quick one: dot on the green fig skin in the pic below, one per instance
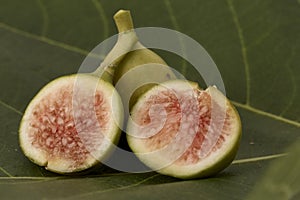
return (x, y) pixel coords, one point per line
(138, 58)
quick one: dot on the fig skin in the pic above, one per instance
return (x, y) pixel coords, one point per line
(142, 57)
(211, 165)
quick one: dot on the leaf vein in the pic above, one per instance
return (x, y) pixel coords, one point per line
(33, 178)
(11, 108)
(5, 172)
(177, 27)
(44, 39)
(294, 83)
(243, 48)
(102, 16)
(118, 188)
(45, 17)
(270, 115)
(260, 158)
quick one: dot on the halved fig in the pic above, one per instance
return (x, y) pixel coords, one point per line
(180, 130)
(71, 123)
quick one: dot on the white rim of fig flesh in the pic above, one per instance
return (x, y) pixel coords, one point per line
(66, 132)
(165, 136)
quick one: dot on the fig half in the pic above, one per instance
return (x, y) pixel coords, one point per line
(69, 127)
(182, 131)
(73, 122)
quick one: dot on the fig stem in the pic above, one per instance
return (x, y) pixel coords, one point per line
(126, 40)
(123, 20)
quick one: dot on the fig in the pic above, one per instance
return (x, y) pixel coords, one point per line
(138, 71)
(68, 129)
(71, 124)
(180, 130)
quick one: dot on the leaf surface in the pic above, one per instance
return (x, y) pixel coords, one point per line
(255, 45)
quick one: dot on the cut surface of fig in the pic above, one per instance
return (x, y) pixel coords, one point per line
(71, 123)
(182, 131)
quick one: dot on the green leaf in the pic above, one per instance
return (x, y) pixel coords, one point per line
(254, 43)
(282, 179)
